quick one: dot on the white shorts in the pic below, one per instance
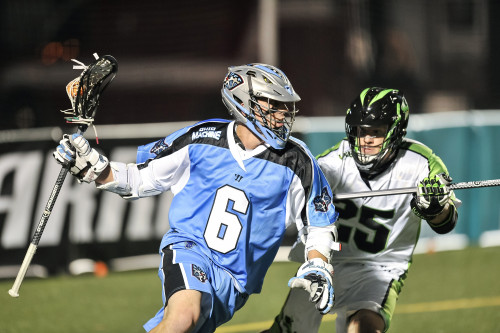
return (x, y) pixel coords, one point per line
(365, 286)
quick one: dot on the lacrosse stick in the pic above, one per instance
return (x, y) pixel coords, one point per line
(406, 190)
(84, 93)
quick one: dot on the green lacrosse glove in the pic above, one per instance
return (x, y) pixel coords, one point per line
(431, 197)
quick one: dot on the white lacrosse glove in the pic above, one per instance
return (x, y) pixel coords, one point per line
(85, 162)
(432, 196)
(315, 277)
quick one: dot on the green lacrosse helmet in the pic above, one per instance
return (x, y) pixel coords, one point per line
(377, 107)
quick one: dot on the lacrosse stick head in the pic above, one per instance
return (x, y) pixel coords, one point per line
(84, 91)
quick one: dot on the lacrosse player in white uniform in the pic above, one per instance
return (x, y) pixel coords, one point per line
(237, 185)
(378, 234)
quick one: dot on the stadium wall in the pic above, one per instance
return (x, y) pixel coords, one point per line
(87, 223)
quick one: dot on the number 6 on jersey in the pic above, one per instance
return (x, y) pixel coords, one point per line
(224, 227)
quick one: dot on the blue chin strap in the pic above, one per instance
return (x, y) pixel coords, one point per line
(269, 137)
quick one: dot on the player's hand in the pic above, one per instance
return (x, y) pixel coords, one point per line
(432, 196)
(315, 277)
(65, 153)
(85, 162)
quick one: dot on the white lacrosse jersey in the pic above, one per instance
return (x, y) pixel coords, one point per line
(233, 203)
(379, 229)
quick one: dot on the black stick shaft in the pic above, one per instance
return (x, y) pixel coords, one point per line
(49, 206)
(30, 253)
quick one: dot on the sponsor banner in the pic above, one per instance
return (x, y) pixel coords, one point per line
(85, 222)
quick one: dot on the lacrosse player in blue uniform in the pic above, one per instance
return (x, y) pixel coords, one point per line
(378, 234)
(237, 186)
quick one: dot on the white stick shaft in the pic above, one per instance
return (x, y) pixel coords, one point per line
(14, 291)
(406, 190)
(377, 193)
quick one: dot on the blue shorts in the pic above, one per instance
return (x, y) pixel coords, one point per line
(184, 266)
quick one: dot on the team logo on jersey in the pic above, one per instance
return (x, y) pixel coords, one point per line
(206, 132)
(346, 154)
(189, 244)
(321, 202)
(198, 273)
(159, 147)
(232, 80)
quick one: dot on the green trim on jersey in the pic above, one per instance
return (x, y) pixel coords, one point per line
(436, 165)
(329, 150)
(389, 304)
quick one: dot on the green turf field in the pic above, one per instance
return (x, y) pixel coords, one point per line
(457, 291)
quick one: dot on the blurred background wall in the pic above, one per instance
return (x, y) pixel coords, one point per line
(173, 56)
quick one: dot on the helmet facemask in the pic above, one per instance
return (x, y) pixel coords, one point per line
(278, 117)
(371, 146)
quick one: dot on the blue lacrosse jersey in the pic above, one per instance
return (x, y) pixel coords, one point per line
(234, 204)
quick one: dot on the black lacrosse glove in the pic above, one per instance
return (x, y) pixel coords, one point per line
(431, 197)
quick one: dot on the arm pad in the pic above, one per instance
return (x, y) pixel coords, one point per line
(128, 182)
(322, 239)
(121, 184)
(448, 224)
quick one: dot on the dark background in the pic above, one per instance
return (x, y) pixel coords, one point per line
(173, 55)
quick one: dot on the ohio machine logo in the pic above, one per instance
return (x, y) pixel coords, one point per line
(159, 147)
(198, 273)
(232, 80)
(206, 132)
(321, 202)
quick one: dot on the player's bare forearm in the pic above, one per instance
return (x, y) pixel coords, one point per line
(316, 254)
(105, 177)
(442, 216)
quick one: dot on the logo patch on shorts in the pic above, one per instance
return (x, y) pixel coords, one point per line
(198, 273)
(321, 202)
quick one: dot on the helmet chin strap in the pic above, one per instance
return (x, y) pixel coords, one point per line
(366, 158)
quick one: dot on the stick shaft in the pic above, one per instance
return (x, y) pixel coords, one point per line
(49, 206)
(407, 190)
(14, 291)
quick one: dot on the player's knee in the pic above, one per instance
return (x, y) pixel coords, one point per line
(175, 321)
(366, 321)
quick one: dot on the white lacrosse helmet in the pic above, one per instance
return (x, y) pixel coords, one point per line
(245, 85)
